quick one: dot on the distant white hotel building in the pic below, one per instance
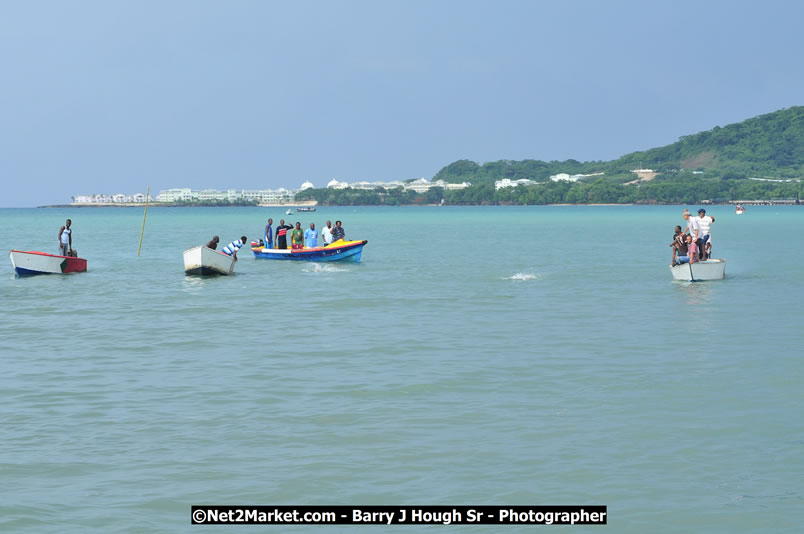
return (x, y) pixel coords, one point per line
(564, 177)
(119, 198)
(261, 196)
(507, 182)
(265, 196)
(560, 177)
(420, 186)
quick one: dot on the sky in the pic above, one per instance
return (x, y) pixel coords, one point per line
(114, 96)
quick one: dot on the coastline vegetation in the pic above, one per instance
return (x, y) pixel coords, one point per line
(736, 162)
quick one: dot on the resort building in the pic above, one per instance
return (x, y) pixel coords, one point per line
(260, 196)
(564, 177)
(374, 185)
(335, 184)
(507, 182)
(175, 195)
(452, 187)
(109, 199)
(420, 185)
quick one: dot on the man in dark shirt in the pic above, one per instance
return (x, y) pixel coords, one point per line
(679, 245)
(338, 232)
(282, 234)
(213, 244)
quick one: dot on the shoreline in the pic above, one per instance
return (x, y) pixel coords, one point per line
(301, 205)
(174, 205)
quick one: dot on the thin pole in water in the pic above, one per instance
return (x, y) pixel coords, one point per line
(147, 195)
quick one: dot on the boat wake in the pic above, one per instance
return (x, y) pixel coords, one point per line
(524, 276)
(323, 268)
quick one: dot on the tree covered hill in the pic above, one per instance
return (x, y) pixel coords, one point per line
(770, 145)
(758, 159)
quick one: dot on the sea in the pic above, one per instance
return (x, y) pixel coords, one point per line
(536, 355)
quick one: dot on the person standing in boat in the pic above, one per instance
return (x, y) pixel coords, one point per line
(694, 229)
(268, 242)
(297, 237)
(213, 243)
(703, 222)
(338, 232)
(232, 248)
(326, 233)
(66, 239)
(282, 234)
(311, 237)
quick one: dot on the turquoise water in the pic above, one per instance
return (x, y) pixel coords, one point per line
(500, 355)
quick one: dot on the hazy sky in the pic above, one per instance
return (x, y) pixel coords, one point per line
(111, 96)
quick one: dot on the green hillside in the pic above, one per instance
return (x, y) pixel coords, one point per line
(733, 162)
(770, 145)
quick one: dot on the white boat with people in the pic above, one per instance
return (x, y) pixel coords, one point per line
(739, 210)
(203, 261)
(692, 250)
(700, 271)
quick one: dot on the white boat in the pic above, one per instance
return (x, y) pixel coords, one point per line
(289, 212)
(700, 270)
(204, 261)
(739, 210)
(31, 262)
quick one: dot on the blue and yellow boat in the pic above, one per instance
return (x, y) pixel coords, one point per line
(340, 250)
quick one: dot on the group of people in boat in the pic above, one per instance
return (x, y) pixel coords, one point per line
(299, 239)
(695, 242)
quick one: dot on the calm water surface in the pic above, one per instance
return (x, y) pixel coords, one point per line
(514, 355)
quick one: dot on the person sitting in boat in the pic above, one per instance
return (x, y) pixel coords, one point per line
(66, 239)
(213, 244)
(297, 237)
(232, 248)
(682, 255)
(338, 232)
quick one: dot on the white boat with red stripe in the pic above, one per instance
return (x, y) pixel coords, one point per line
(31, 262)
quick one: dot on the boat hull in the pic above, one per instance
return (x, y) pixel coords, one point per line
(27, 263)
(348, 251)
(700, 271)
(203, 261)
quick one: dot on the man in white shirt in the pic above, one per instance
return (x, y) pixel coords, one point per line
(326, 233)
(694, 229)
(703, 222)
